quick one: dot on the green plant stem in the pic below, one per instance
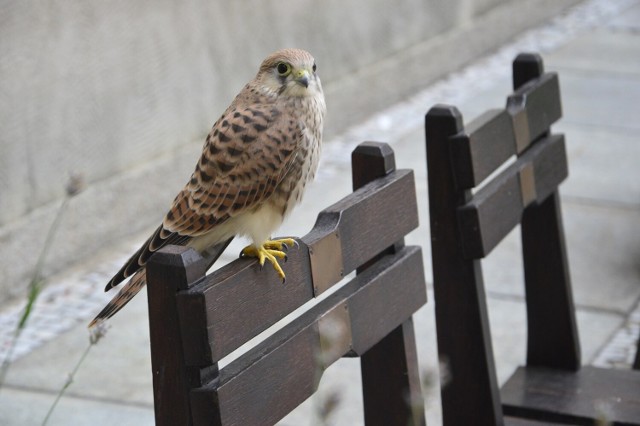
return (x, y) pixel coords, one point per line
(35, 285)
(67, 383)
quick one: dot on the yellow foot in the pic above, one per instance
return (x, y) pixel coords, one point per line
(271, 250)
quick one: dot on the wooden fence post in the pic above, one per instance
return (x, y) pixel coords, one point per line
(460, 300)
(390, 375)
(552, 338)
(171, 269)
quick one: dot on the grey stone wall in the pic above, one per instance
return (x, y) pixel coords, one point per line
(123, 92)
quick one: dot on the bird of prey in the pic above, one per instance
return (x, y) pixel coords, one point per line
(254, 167)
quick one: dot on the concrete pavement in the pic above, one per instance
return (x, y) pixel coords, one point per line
(595, 49)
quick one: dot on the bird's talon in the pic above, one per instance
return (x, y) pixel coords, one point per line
(272, 251)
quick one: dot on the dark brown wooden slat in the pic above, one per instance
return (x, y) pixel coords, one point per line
(488, 141)
(495, 136)
(365, 234)
(534, 107)
(550, 167)
(490, 215)
(273, 378)
(241, 291)
(267, 390)
(573, 397)
(497, 208)
(382, 307)
(228, 307)
(393, 200)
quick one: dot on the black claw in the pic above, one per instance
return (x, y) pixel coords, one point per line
(284, 280)
(285, 258)
(285, 247)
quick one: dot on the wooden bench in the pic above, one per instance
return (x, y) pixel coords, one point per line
(197, 319)
(473, 206)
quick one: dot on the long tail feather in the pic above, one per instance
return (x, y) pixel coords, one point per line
(139, 280)
(123, 297)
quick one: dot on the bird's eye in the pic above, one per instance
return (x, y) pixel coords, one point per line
(284, 69)
(314, 67)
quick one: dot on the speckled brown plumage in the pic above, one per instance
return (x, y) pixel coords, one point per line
(255, 164)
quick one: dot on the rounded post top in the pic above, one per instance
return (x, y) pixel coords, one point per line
(174, 255)
(526, 66)
(374, 149)
(186, 265)
(442, 116)
(371, 160)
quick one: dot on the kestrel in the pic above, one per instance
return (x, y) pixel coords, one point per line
(254, 167)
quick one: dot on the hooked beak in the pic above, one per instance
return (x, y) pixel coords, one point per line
(302, 77)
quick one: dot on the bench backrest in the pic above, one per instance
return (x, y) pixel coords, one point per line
(196, 320)
(501, 170)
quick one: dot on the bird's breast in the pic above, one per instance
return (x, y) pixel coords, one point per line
(310, 111)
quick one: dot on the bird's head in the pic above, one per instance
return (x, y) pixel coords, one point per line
(290, 72)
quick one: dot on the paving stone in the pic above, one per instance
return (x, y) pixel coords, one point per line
(599, 51)
(508, 333)
(629, 20)
(603, 249)
(602, 164)
(118, 367)
(22, 407)
(600, 100)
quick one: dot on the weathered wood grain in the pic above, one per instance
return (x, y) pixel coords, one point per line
(498, 206)
(499, 134)
(273, 378)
